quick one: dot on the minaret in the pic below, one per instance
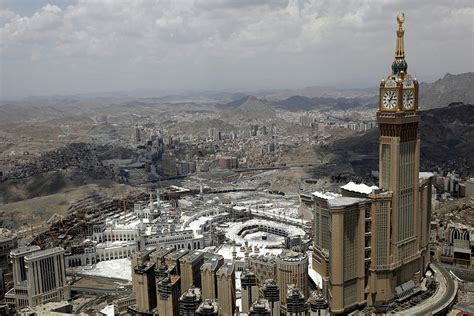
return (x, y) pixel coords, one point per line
(234, 251)
(151, 202)
(157, 198)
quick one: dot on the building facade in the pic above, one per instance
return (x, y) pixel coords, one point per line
(226, 289)
(369, 242)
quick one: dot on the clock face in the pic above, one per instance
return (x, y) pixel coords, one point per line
(408, 99)
(389, 99)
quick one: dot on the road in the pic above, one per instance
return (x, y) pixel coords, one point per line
(443, 298)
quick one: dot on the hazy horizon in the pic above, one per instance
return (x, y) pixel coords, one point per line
(93, 47)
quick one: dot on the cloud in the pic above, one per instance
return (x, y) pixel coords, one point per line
(201, 42)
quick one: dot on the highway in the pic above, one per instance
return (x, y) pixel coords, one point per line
(444, 297)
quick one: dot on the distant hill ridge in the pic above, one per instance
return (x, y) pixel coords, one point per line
(449, 89)
(446, 141)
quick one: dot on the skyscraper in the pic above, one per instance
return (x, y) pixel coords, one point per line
(226, 289)
(249, 289)
(143, 279)
(260, 308)
(398, 255)
(292, 269)
(189, 302)
(208, 308)
(190, 266)
(271, 293)
(296, 302)
(168, 293)
(209, 277)
(372, 242)
(39, 276)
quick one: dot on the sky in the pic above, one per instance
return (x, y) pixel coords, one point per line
(89, 46)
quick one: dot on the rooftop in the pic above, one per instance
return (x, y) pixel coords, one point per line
(44, 253)
(359, 187)
(326, 195)
(212, 263)
(24, 250)
(344, 201)
(426, 175)
(190, 257)
(226, 269)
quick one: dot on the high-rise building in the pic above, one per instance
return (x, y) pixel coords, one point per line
(372, 242)
(347, 244)
(260, 307)
(189, 302)
(296, 302)
(208, 308)
(39, 277)
(8, 242)
(271, 292)
(168, 293)
(17, 297)
(318, 305)
(226, 289)
(168, 163)
(143, 280)
(46, 276)
(190, 266)
(249, 290)
(399, 252)
(172, 260)
(292, 269)
(209, 277)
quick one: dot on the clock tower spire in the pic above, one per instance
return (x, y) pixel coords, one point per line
(400, 64)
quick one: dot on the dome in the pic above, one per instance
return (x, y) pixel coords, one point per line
(399, 65)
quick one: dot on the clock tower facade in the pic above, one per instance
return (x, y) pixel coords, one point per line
(399, 255)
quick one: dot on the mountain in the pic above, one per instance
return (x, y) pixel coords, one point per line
(300, 103)
(235, 103)
(449, 89)
(446, 142)
(317, 92)
(252, 109)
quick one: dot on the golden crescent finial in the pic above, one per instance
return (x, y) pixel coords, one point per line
(401, 18)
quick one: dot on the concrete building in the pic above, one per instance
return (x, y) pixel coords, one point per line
(371, 244)
(296, 302)
(39, 277)
(249, 287)
(292, 269)
(347, 244)
(17, 297)
(209, 277)
(168, 163)
(46, 276)
(226, 289)
(264, 267)
(260, 307)
(208, 308)
(318, 305)
(271, 292)
(189, 302)
(172, 260)
(8, 242)
(168, 293)
(143, 280)
(190, 266)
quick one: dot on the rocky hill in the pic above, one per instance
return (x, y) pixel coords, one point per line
(301, 103)
(446, 142)
(450, 88)
(250, 110)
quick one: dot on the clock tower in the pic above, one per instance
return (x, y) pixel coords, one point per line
(398, 117)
